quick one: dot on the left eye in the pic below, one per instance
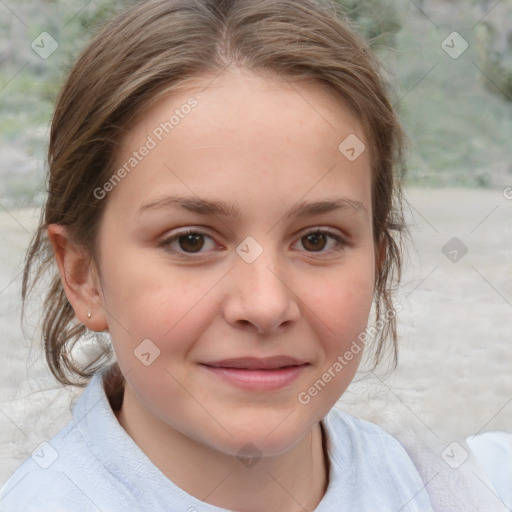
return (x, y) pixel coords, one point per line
(319, 240)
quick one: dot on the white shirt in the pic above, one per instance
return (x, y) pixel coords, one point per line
(494, 453)
(92, 464)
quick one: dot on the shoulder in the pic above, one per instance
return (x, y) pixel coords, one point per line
(63, 473)
(495, 444)
(359, 435)
(364, 456)
(493, 451)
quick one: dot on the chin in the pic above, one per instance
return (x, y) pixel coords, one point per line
(260, 438)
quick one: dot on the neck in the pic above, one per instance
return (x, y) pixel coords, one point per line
(295, 479)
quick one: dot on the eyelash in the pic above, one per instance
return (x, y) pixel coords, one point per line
(166, 243)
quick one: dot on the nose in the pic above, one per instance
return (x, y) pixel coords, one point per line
(261, 297)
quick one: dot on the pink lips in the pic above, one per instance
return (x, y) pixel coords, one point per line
(258, 374)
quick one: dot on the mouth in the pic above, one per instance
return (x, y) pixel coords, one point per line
(255, 363)
(258, 374)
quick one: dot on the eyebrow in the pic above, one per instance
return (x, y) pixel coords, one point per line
(229, 209)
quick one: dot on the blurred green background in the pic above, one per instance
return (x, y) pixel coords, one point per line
(457, 111)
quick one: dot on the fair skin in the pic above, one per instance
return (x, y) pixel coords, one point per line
(262, 145)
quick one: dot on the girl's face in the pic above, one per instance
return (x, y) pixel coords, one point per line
(239, 231)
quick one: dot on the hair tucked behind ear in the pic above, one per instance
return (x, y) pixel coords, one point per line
(162, 46)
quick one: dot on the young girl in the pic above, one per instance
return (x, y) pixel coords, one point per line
(224, 202)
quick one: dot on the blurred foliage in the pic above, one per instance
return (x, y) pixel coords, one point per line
(494, 43)
(377, 20)
(29, 84)
(71, 23)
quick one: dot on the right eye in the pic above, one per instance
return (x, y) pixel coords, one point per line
(187, 241)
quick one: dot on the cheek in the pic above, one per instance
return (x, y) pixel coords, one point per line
(342, 308)
(340, 311)
(139, 288)
(344, 302)
(168, 308)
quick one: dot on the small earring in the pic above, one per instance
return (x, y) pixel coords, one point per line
(89, 315)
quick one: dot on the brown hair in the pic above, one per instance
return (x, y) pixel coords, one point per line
(160, 46)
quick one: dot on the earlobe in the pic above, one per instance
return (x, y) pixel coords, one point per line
(79, 279)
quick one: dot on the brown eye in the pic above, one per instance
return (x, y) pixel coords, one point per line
(322, 241)
(314, 241)
(192, 242)
(188, 242)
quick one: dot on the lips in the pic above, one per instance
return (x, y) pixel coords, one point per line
(256, 374)
(255, 363)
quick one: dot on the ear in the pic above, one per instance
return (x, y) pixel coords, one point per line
(79, 278)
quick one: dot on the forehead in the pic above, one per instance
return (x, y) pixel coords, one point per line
(244, 130)
(242, 95)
